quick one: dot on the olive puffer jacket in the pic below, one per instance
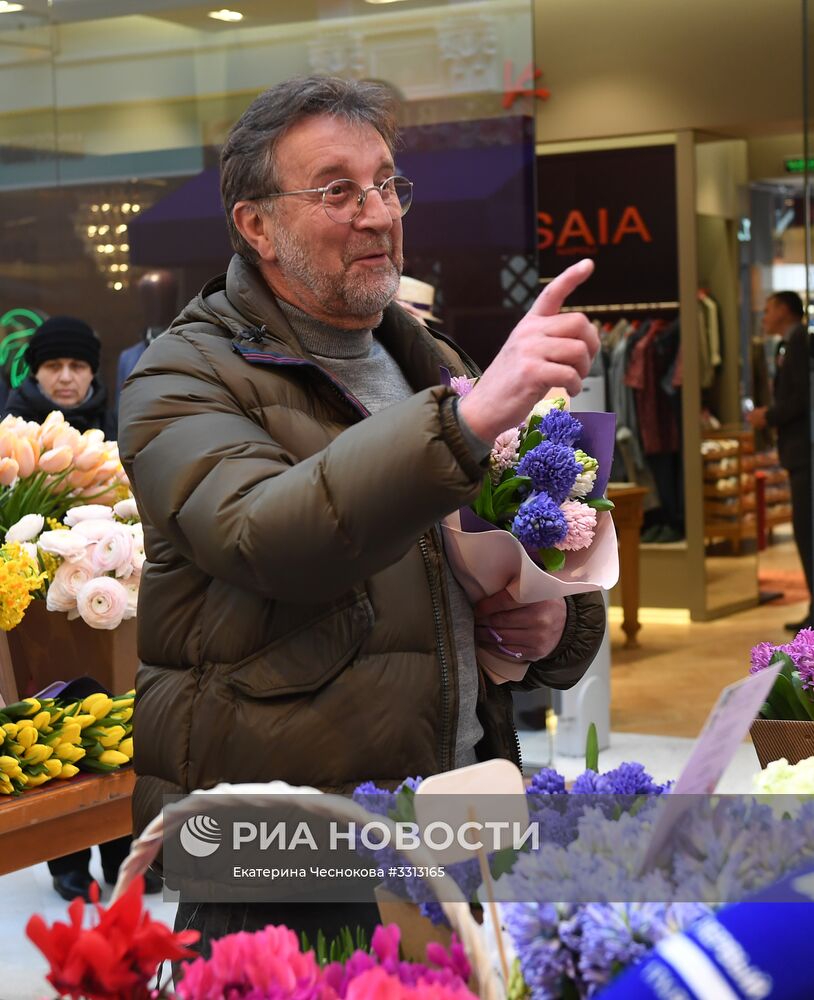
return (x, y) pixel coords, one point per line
(293, 615)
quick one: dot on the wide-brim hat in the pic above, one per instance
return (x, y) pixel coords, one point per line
(419, 294)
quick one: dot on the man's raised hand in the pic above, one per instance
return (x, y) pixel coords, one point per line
(546, 348)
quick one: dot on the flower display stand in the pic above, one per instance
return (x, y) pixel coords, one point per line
(47, 647)
(64, 816)
(776, 738)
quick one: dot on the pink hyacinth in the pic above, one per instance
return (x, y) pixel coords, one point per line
(461, 384)
(267, 964)
(761, 656)
(581, 521)
(505, 453)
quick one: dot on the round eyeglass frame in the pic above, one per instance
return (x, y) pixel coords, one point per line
(361, 197)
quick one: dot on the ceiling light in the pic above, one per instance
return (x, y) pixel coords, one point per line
(224, 14)
(9, 8)
(382, 1)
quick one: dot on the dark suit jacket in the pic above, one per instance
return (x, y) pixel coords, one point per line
(790, 413)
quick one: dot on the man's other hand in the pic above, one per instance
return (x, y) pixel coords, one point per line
(757, 417)
(532, 630)
(546, 348)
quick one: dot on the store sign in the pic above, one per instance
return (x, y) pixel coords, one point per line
(799, 165)
(16, 328)
(617, 206)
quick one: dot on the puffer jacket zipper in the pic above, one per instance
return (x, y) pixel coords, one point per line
(445, 749)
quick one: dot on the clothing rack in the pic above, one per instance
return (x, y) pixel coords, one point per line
(622, 307)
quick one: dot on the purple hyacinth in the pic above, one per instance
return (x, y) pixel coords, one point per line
(761, 656)
(552, 468)
(539, 523)
(801, 650)
(627, 779)
(559, 426)
(546, 781)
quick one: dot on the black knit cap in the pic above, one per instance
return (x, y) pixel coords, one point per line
(63, 337)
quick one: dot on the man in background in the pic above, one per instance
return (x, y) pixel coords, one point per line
(790, 415)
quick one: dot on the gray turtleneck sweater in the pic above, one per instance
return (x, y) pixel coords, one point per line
(370, 373)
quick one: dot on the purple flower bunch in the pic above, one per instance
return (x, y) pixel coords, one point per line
(539, 483)
(792, 696)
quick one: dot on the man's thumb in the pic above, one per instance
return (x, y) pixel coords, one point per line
(551, 299)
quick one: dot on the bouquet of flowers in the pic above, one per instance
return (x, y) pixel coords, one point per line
(119, 956)
(792, 695)
(45, 738)
(46, 468)
(540, 527)
(88, 565)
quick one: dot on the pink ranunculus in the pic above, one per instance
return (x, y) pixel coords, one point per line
(131, 585)
(102, 602)
(581, 521)
(113, 551)
(93, 529)
(88, 512)
(72, 576)
(126, 509)
(68, 545)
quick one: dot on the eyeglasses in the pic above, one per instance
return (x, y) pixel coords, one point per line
(344, 199)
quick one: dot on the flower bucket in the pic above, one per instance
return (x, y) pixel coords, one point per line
(776, 738)
(47, 647)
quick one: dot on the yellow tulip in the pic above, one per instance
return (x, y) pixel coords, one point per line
(98, 705)
(113, 757)
(83, 720)
(67, 752)
(32, 780)
(54, 767)
(68, 771)
(9, 764)
(33, 706)
(122, 715)
(27, 737)
(11, 728)
(41, 720)
(37, 754)
(112, 736)
(126, 747)
(70, 733)
(25, 724)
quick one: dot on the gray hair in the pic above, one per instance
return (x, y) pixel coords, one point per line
(247, 163)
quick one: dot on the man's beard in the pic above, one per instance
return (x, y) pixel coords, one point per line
(361, 294)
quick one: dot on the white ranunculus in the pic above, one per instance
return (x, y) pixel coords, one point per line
(131, 585)
(68, 545)
(126, 509)
(30, 550)
(102, 602)
(94, 528)
(87, 512)
(113, 552)
(26, 529)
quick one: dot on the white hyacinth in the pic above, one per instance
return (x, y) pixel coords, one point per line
(583, 484)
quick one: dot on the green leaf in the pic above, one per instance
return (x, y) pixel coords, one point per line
(592, 749)
(783, 700)
(803, 696)
(601, 503)
(531, 440)
(766, 711)
(552, 559)
(502, 862)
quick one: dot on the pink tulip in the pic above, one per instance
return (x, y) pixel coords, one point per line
(90, 457)
(9, 471)
(8, 440)
(50, 427)
(56, 459)
(79, 480)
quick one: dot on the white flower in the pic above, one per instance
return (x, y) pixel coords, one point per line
(102, 602)
(583, 484)
(69, 545)
(88, 511)
(782, 778)
(126, 510)
(545, 406)
(30, 550)
(113, 552)
(68, 581)
(26, 529)
(131, 585)
(94, 528)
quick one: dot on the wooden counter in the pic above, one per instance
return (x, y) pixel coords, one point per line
(627, 519)
(64, 816)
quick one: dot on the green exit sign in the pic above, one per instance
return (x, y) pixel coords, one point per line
(799, 165)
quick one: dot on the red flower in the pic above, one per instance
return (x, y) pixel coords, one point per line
(116, 958)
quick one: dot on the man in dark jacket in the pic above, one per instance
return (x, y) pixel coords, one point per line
(63, 355)
(790, 414)
(292, 451)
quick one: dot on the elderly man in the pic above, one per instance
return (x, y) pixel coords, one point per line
(292, 451)
(790, 414)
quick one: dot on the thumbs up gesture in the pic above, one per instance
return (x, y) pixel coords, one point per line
(546, 348)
